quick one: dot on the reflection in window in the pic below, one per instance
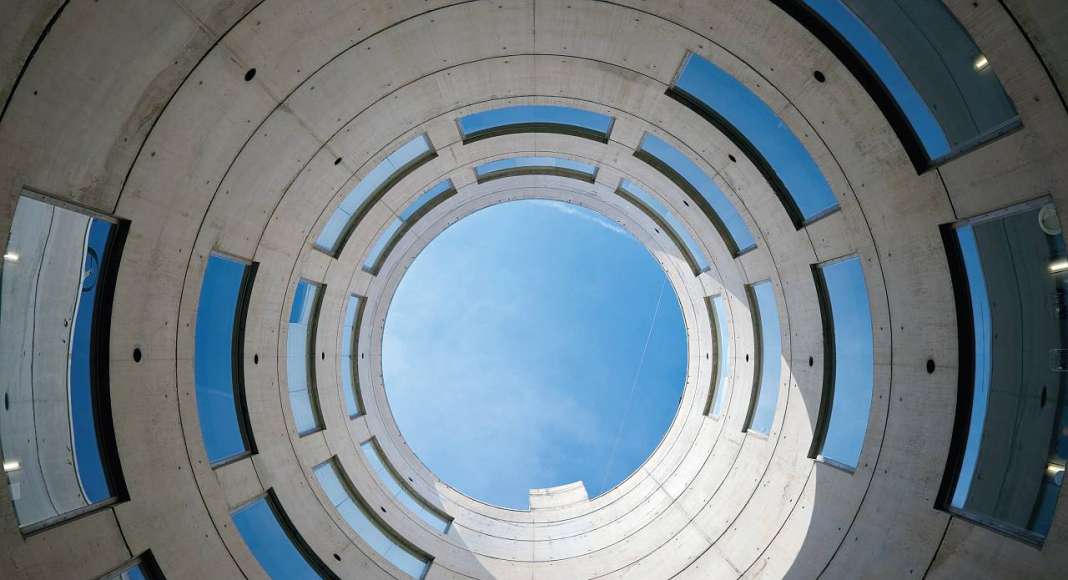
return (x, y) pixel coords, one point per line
(217, 358)
(668, 222)
(300, 357)
(399, 490)
(365, 522)
(536, 166)
(375, 184)
(535, 119)
(272, 540)
(350, 377)
(142, 568)
(760, 134)
(937, 79)
(55, 311)
(1012, 435)
(717, 309)
(768, 357)
(848, 364)
(701, 189)
(389, 237)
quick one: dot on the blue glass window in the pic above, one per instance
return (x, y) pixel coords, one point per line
(669, 222)
(535, 119)
(273, 541)
(142, 568)
(365, 522)
(939, 82)
(850, 361)
(397, 228)
(536, 166)
(217, 358)
(398, 164)
(717, 307)
(1011, 434)
(55, 294)
(760, 134)
(400, 491)
(350, 378)
(689, 177)
(768, 357)
(300, 357)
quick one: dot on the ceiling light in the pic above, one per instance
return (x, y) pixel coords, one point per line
(12, 465)
(11, 257)
(1058, 265)
(981, 63)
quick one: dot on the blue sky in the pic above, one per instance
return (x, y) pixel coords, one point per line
(512, 344)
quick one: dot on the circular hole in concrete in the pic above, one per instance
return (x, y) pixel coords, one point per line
(732, 158)
(746, 357)
(137, 355)
(249, 74)
(337, 161)
(336, 557)
(819, 76)
(255, 359)
(811, 361)
(930, 366)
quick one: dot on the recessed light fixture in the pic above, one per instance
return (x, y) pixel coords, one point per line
(12, 465)
(11, 257)
(981, 63)
(1058, 265)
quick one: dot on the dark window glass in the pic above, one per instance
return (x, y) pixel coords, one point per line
(1013, 441)
(217, 358)
(760, 133)
(55, 311)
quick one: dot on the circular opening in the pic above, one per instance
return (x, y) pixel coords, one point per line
(930, 366)
(249, 74)
(530, 345)
(137, 355)
(819, 76)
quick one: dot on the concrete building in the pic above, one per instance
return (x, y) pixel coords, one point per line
(301, 152)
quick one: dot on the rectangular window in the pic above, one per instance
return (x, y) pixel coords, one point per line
(717, 311)
(217, 358)
(536, 166)
(350, 377)
(849, 362)
(300, 357)
(56, 286)
(535, 119)
(768, 357)
(921, 67)
(701, 189)
(400, 491)
(274, 542)
(1010, 439)
(668, 222)
(371, 188)
(366, 523)
(760, 134)
(400, 225)
(143, 567)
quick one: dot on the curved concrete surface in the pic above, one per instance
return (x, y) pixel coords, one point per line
(141, 110)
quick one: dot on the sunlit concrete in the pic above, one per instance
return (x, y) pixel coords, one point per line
(140, 109)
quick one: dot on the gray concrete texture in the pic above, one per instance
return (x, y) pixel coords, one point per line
(141, 110)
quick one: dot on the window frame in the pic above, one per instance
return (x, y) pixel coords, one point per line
(403, 483)
(668, 229)
(757, 316)
(553, 170)
(468, 137)
(312, 386)
(406, 224)
(353, 366)
(287, 527)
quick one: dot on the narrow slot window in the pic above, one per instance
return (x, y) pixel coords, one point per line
(535, 119)
(350, 377)
(271, 538)
(218, 366)
(849, 362)
(401, 491)
(1010, 440)
(668, 221)
(300, 357)
(536, 166)
(403, 222)
(717, 309)
(760, 134)
(371, 188)
(922, 68)
(701, 189)
(143, 567)
(768, 357)
(56, 287)
(366, 523)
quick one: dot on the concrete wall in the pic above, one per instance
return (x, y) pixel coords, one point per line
(142, 109)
